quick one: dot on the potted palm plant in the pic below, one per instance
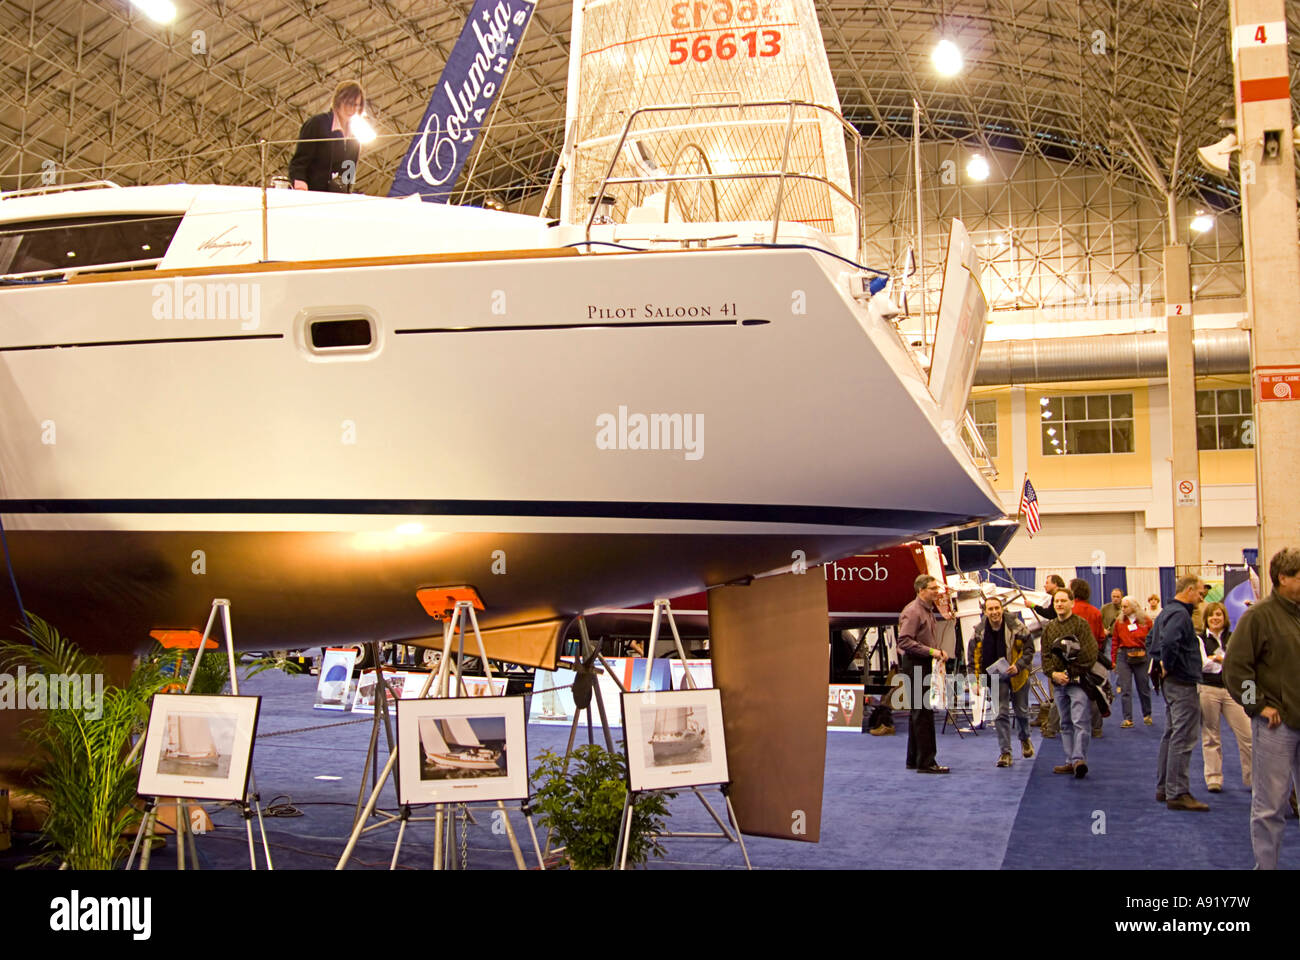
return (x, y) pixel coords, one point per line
(581, 803)
(89, 789)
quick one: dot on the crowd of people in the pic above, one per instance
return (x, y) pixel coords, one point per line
(1208, 673)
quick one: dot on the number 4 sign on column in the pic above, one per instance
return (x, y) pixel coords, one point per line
(1258, 35)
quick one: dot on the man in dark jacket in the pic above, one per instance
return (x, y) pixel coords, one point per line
(1069, 652)
(1050, 586)
(1262, 673)
(997, 637)
(1174, 646)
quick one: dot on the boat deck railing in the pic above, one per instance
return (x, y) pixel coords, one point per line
(59, 188)
(783, 175)
(979, 450)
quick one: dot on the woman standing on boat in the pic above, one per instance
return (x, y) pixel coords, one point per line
(326, 158)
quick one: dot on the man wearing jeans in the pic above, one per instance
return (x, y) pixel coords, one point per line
(1069, 652)
(997, 638)
(1262, 673)
(1176, 649)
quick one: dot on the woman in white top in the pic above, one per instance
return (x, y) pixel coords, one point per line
(1216, 703)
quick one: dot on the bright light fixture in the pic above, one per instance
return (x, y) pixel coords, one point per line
(977, 168)
(1202, 222)
(409, 529)
(361, 129)
(160, 11)
(946, 58)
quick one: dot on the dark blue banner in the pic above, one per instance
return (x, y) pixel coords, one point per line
(469, 83)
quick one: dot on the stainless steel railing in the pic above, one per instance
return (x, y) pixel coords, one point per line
(781, 175)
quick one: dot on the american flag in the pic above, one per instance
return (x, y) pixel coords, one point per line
(1029, 507)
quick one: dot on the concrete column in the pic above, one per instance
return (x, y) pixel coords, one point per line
(1184, 457)
(1272, 249)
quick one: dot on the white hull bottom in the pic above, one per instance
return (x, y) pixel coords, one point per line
(289, 590)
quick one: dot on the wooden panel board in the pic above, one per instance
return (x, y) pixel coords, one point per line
(770, 649)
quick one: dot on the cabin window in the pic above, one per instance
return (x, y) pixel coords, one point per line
(55, 245)
(341, 334)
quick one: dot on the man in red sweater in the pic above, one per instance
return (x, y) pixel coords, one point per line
(1082, 594)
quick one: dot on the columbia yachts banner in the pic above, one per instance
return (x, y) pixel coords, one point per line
(469, 84)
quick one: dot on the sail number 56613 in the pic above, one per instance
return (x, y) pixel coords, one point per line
(756, 43)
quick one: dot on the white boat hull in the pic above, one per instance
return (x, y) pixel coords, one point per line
(163, 462)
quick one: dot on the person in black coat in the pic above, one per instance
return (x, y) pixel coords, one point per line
(326, 157)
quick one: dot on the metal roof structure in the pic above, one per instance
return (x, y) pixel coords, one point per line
(1124, 89)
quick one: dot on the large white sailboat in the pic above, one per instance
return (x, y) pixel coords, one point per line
(316, 404)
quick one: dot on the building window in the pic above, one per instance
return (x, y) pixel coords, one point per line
(1224, 419)
(985, 413)
(1096, 423)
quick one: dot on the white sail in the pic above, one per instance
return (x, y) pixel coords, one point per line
(431, 737)
(671, 722)
(461, 733)
(188, 738)
(635, 53)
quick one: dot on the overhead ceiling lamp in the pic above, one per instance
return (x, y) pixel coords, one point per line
(977, 168)
(1202, 222)
(946, 58)
(160, 11)
(361, 130)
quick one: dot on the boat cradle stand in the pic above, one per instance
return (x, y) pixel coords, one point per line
(252, 800)
(455, 620)
(663, 610)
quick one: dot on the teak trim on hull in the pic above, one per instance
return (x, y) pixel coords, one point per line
(278, 266)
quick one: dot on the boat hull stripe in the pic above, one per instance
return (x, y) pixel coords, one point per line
(138, 343)
(721, 512)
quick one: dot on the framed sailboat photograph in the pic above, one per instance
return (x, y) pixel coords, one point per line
(462, 750)
(198, 747)
(674, 739)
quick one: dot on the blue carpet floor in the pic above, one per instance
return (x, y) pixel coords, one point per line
(875, 814)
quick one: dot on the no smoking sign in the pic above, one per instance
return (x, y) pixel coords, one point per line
(1185, 493)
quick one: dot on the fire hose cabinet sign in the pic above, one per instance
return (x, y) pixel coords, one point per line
(1278, 383)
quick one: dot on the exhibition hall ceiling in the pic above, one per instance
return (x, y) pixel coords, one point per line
(102, 91)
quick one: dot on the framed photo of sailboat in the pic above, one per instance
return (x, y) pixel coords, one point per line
(198, 747)
(462, 750)
(674, 739)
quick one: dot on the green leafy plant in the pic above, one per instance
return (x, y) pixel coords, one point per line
(583, 807)
(84, 778)
(214, 668)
